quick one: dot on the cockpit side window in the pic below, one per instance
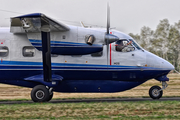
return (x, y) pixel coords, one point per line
(135, 44)
(124, 46)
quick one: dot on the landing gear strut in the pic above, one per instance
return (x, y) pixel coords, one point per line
(41, 93)
(156, 92)
(50, 94)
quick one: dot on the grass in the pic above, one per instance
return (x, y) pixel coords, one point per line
(104, 110)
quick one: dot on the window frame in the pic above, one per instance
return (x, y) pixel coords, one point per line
(123, 48)
(7, 53)
(28, 47)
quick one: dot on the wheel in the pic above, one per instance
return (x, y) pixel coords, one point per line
(40, 93)
(50, 97)
(153, 92)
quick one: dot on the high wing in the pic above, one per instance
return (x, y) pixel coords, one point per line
(36, 22)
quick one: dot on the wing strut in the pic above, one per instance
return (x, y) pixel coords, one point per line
(46, 51)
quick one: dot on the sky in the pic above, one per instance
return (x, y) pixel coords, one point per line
(128, 16)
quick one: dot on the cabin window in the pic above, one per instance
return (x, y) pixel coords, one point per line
(28, 51)
(4, 51)
(124, 46)
(97, 54)
(63, 37)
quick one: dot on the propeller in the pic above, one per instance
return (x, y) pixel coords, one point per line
(109, 38)
(108, 18)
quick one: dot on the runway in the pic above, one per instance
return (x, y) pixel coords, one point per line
(96, 100)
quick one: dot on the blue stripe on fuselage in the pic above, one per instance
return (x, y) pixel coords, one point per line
(38, 65)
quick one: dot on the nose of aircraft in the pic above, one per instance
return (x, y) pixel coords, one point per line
(157, 62)
(166, 65)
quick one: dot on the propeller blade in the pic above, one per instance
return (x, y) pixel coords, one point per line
(107, 51)
(108, 18)
(107, 32)
(109, 38)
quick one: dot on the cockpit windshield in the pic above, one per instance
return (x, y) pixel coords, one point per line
(136, 44)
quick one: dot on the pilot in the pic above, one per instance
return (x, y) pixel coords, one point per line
(120, 46)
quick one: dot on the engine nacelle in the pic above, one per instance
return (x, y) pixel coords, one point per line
(69, 48)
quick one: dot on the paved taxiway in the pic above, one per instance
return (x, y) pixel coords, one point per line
(97, 100)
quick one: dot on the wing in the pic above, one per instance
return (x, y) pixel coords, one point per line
(35, 22)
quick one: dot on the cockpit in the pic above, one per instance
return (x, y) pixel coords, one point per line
(127, 45)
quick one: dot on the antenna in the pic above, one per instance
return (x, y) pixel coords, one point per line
(82, 24)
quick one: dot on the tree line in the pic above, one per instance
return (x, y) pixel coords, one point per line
(164, 41)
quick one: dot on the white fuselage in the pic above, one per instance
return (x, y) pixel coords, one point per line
(16, 42)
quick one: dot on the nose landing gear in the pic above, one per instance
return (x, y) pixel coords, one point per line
(156, 92)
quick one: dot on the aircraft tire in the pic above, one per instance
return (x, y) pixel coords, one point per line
(50, 97)
(40, 93)
(153, 92)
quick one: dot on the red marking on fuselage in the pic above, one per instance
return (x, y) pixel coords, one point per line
(2, 41)
(110, 54)
(1, 60)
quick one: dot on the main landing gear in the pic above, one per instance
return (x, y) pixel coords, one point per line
(41, 93)
(156, 92)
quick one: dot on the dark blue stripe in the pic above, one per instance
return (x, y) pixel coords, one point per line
(75, 68)
(69, 66)
(60, 64)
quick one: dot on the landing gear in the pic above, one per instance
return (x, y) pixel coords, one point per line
(50, 94)
(156, 92)
(41, 94)
(50, 97)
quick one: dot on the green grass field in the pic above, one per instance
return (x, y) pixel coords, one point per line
(95, 111)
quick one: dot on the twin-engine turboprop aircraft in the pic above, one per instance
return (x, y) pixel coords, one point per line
(46, 55)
